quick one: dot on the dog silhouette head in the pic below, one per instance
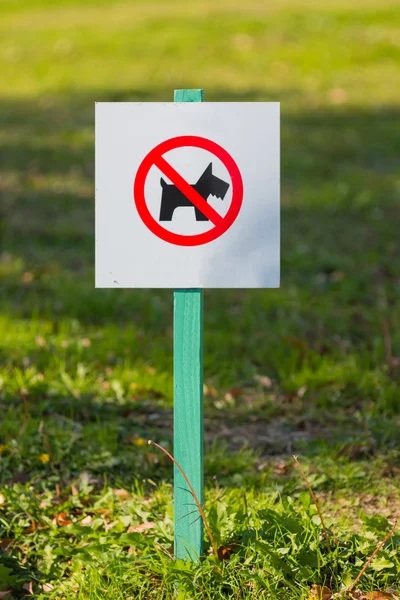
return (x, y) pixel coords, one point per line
(207, 185)
(212, 184)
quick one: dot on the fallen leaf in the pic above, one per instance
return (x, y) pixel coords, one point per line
(320, 592)
(103, 511)
(5, 593)
(74, 490)
(301, 391)
(121, 493)
(108, 526)
(235, 392)
(264, 380)
(28, 587)
(5, 543)
(282, 468)
(47, 587)
(62, 519)
(142, 527)
(31, 528)
(86, 521)
(2, 499)
(225, 552)
(209, 390)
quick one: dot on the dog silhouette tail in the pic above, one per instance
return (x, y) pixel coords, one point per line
(207, 174)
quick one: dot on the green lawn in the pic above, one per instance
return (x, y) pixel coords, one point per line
(311, 369)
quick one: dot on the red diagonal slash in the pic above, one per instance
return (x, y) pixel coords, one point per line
(187, 190)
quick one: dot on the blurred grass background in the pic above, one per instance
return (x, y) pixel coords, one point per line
(312, 366)
(334, 68)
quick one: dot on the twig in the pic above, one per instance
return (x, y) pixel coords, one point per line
(313, 496)
(365, 567)
(201, 511)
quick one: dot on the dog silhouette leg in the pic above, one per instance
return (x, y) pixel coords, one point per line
(166, 211)
(200, 216)
(168, 202)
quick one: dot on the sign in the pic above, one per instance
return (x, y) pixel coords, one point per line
(182, 194)
(187, 195)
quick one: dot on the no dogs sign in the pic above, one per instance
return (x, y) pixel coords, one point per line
(187, 195)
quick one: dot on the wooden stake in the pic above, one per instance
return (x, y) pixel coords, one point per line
(188, 407)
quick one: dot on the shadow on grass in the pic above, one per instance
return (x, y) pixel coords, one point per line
(340, 249)
(338, 195)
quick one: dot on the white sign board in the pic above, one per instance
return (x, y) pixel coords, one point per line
(187, 195)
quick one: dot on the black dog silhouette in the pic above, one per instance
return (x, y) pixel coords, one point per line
(172, 197)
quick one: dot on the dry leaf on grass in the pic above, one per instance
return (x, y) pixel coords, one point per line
(209, 390)
(5, 593)
(108, 526)
(120, 493)
(31, 528)
(28, 587)
(319, 592)
(86, 521)
(5, 543)
(264, 380)
(225, 552)
(62, 520)
(282, 467)
(142, 527)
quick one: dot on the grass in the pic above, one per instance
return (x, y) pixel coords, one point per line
(86, 375)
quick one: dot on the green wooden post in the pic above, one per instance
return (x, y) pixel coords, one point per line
(188, 406)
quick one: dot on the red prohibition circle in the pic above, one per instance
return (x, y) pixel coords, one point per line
(177, 238)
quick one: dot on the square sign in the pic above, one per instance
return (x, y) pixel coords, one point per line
(187, 195)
